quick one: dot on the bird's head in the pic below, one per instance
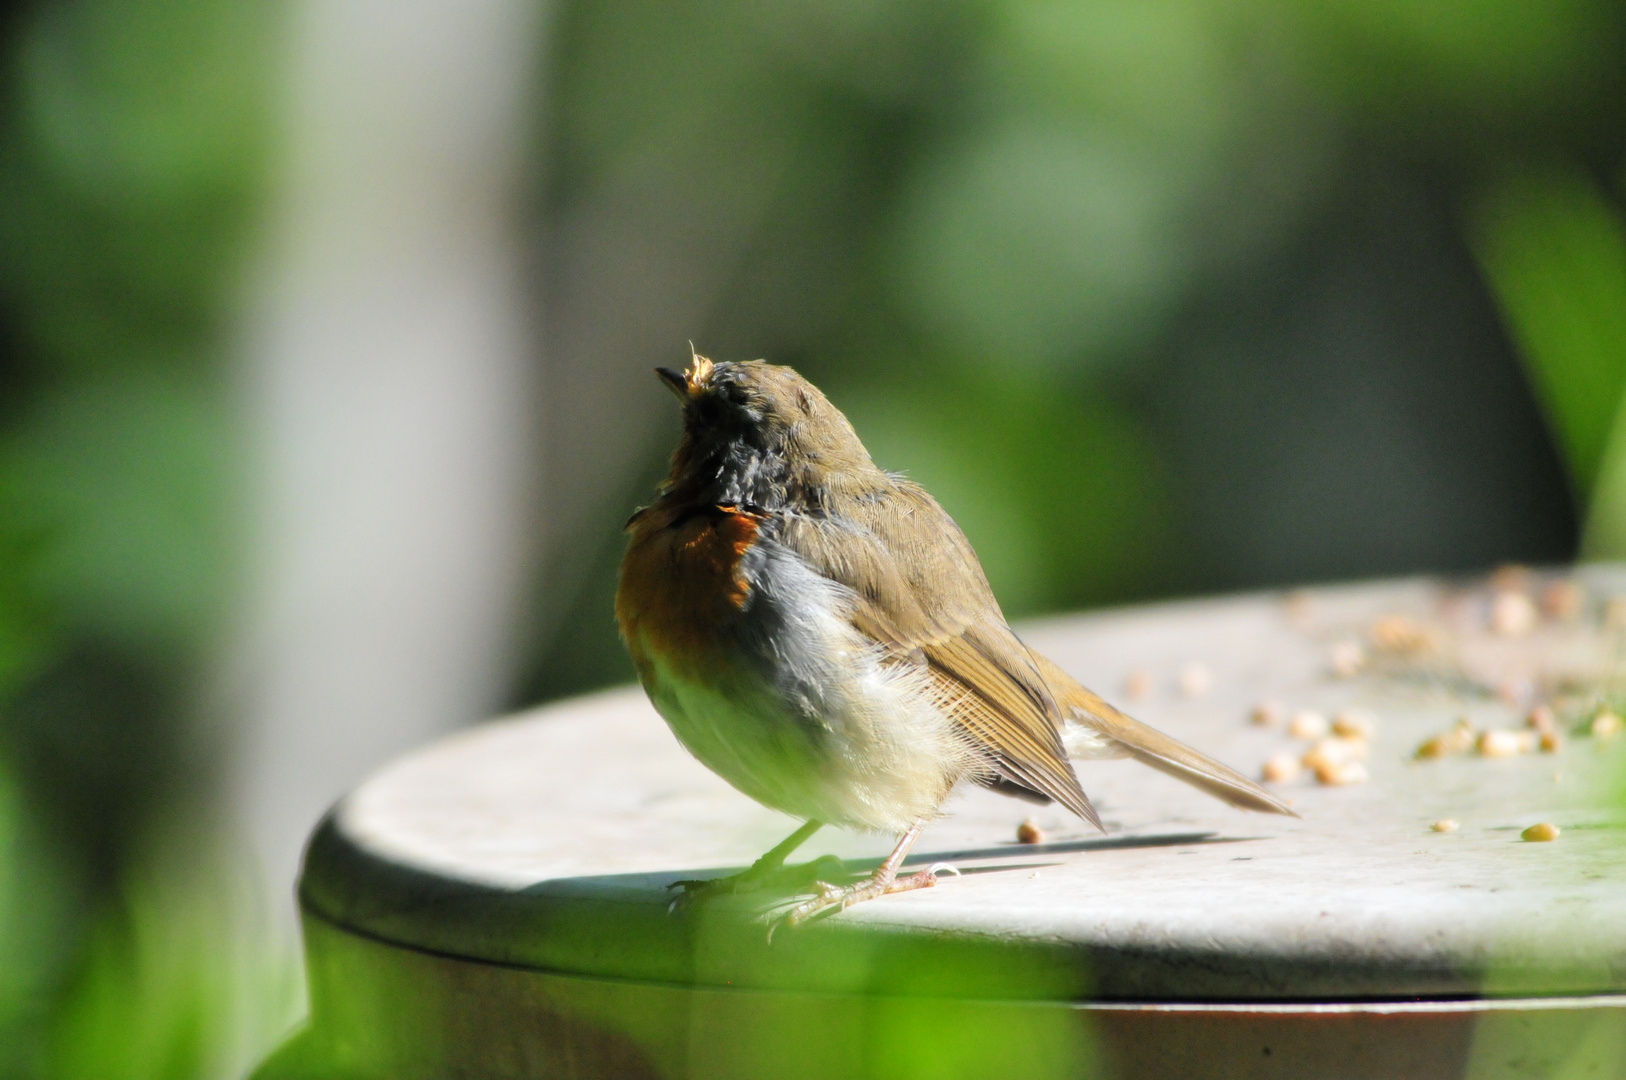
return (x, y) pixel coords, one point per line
(758, 431)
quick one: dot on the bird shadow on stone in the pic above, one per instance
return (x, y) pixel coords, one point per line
(791, 876)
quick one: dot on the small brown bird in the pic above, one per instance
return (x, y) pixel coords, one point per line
(819, 633)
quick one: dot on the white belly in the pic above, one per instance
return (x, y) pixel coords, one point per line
(849, 740)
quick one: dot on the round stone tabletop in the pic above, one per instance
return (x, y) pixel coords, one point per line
(548, 841)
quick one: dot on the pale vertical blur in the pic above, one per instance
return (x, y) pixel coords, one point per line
(389, 351)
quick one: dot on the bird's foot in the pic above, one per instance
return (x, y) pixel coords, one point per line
(833, 898)
(777, 878)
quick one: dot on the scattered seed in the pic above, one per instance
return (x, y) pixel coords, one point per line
(1542, 719)
(1280, 768)
(1436, 747)
(1445, 824)
(1502, 743)
(1347, 659)
(1455, 741)
(1403, 634)
(1510, 577)
(1551, 742)
(1334, 752)
(1195, 680)
(1606, 725)
(1561, 600)
(1138, 684)
(1266, 714)
(1513, 614)
(1307, 725)
(1540, 833)
(1029, 832)
(1341, 775)
(1353, 724)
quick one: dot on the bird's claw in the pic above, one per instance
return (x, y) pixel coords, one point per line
(830, 898)
(690, 890)
(754, 879)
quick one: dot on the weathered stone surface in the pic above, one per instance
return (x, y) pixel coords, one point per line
(547, 841)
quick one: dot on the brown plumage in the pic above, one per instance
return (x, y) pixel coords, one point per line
(821, 634)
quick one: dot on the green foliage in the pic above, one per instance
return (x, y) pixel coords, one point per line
(1113, 154)
(135, 136)
(175, 980)
(1554, 251)
(36, 923)
(132, 145)
(122, 486)
(1058, 491)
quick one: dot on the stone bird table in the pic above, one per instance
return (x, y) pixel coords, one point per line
(496, 904)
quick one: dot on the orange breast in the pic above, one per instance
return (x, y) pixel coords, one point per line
(682, 584)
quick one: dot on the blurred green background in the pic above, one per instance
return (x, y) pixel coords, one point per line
(1157, 298)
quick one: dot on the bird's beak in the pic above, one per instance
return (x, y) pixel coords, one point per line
(675, 381)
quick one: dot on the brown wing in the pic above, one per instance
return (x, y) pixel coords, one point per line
(1152, 747)
(923, 593)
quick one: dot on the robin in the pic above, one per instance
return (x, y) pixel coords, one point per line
(819, 633)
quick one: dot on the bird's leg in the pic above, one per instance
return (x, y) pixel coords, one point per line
(755, 877)
(884, 880)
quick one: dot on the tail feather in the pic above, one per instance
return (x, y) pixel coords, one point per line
(1152, 747)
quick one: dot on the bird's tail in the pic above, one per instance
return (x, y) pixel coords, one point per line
(1106, 732)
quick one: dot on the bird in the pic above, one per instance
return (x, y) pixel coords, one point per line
(819, 633)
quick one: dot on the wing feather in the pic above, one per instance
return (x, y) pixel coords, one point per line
(1017, 738)
(922, 593)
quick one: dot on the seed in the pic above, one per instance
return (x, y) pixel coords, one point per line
(1445, 824)
(1606, 725)
(1551, 742)
(1455, 741)
(1561, 600)
(1352, 724)
(1510, 577)
(1280, 768)
(1540, 833)
(1436, 747)
(1334, 752)
(1138, 684)
(1307, 725)
(1499, 743)
(1341, 775)
(1513, 614)
(1541, 718)
(1195, 680)
(1029, 833)
(1266, 714)
(1403, 634)
(1347, 659)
